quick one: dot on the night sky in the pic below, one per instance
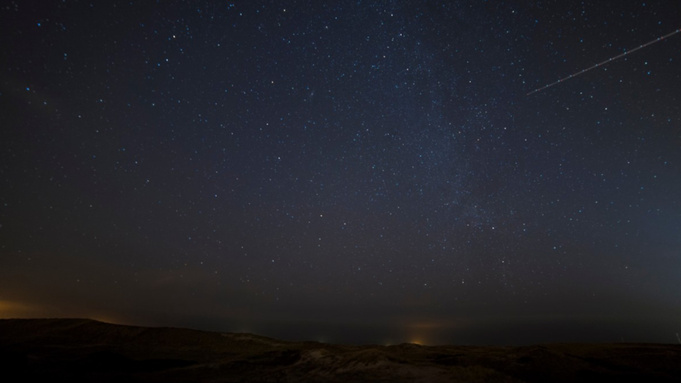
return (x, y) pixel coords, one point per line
(344, 171)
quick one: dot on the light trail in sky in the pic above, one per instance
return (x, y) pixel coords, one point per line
(604, 62)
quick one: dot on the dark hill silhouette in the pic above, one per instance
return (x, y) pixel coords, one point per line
(87, 350)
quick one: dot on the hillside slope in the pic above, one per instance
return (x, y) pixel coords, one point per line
(86, 350)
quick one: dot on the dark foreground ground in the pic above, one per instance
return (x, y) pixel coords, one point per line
(86, 350)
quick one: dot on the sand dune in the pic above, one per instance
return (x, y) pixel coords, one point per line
(87, 350)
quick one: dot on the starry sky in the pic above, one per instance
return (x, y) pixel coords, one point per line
(345, 171)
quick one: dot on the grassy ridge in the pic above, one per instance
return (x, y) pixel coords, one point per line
(87, 350)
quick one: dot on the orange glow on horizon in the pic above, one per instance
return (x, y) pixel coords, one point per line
(20, 310)
(428, 332)
(11, 309)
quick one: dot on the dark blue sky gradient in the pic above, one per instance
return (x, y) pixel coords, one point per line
(348, 172)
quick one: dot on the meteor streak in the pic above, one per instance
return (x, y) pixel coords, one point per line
(604, 62)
